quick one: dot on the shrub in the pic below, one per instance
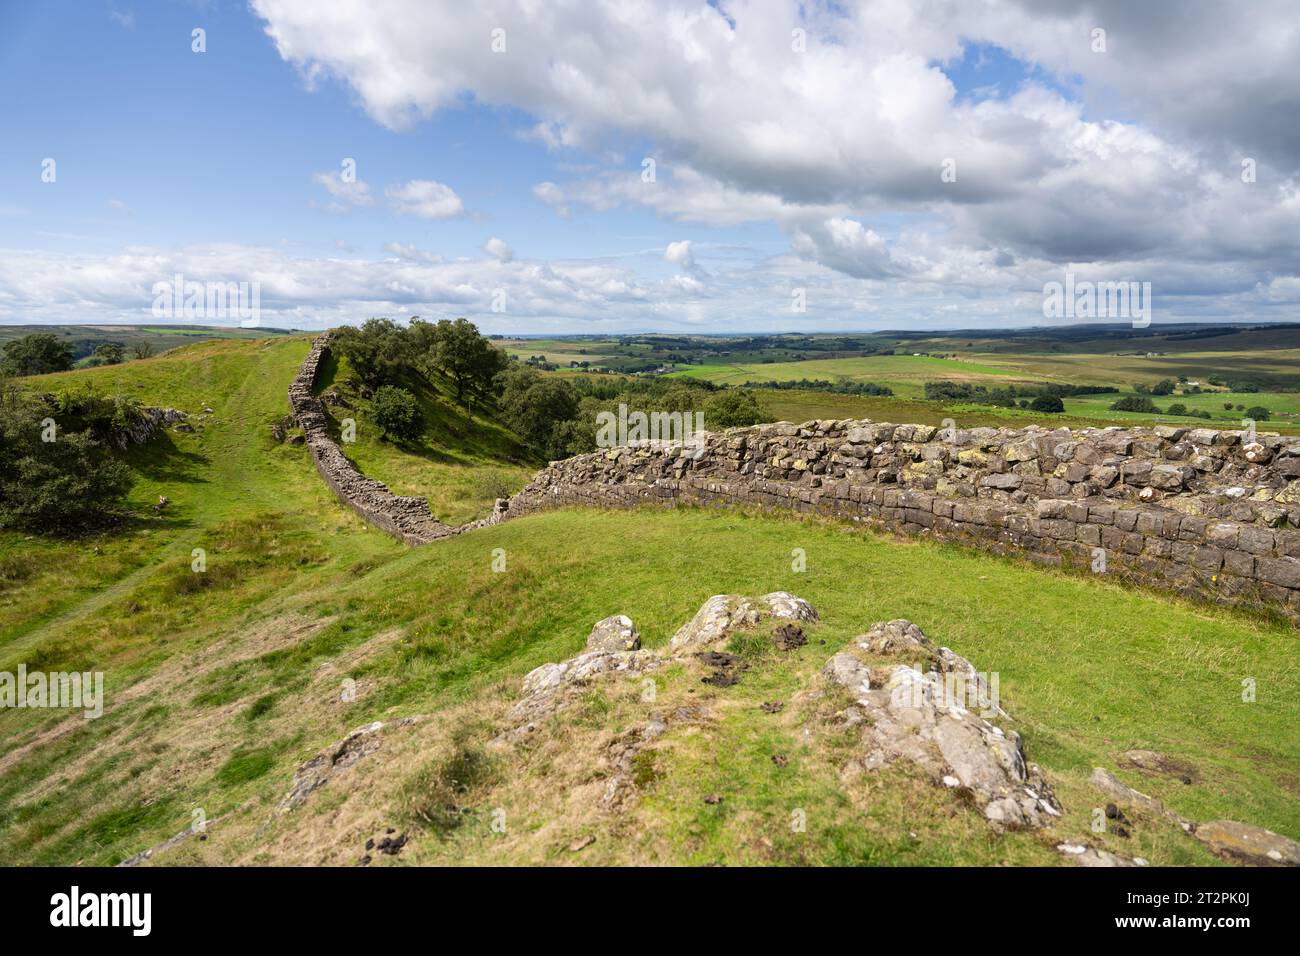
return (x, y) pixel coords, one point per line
(1258, 412)
(1047, 403)
(62, 486)
(1135, 403)
(397, 413)
(732, 408)
(1177, 408)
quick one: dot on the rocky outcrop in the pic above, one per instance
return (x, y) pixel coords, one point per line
(908, 714)
(1208, 514)
(723, 613)
(406, 518)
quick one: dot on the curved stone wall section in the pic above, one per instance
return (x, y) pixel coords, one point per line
(1196, 511)
(403, 517)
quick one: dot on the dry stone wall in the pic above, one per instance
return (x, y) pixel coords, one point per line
(406, 518)
(1208, 514)
(1198, 511)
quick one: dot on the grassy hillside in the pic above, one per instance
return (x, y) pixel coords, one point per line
(84, 338)
(308, 624)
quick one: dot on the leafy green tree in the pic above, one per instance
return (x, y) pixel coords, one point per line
(469, 359)
(540, 410)
(1163, 387)
(397, 413)
(1047, 403)
(732, 408)
(1135, 403)
(109, 353)
(141, 350)
(378, 351)
(66, 485)
(1258, 412)
(1177, 408)
(36, 354)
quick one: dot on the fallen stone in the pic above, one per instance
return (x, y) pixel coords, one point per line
(1244, 843)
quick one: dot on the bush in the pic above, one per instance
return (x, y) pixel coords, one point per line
(1258, 412)
(62, 486)
(1135, 403)
(1047, 403)
(732, 408)
(1178, 408)
(397, 413)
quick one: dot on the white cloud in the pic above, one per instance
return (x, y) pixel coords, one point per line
(679, 253)
(347, 194)
(552, 195)
(497, 249)
(426, 199)
(858, 125)
(844, 245)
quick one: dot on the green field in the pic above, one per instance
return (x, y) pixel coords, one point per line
(221, 684)
(905, 374)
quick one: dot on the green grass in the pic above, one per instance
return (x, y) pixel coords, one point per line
(218, 687)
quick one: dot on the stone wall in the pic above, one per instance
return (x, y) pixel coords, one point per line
(1197, 511)
(406, 518)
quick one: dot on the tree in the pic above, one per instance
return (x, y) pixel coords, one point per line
(141, 350)
(1163, 387)
(36, 354)
(466, 357)
(397, 413)
(378, 351)
(109, 353)
(732, 408)
(1047, 403)
(62, 486)
(1258, 413)
(1177, 408)
(540, 410)
(1135, 403)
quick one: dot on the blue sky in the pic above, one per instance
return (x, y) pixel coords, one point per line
(816, 170)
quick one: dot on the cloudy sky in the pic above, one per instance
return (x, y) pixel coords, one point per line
(593, 165)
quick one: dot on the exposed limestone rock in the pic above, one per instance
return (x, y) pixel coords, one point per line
(911, 715)
(315, 773)
(894, 637)
(724, 613)
(615, 633)
(1091, 856)
(614, 648)
(1244, 843)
